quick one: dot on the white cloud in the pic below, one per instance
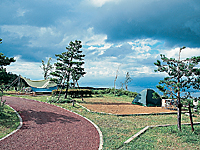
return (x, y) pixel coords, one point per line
(144, 71)
(142, 45)
(30, 70)
(101, 68)
(185, 53)
(100, 3)
(90, 38)
(21, 12)
(141, 56)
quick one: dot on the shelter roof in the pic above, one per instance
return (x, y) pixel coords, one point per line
(39, 83)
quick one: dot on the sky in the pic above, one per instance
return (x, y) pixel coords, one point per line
(123, 35)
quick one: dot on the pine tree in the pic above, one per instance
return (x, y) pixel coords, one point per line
(183, 76)
(69, 66)
(4, 61)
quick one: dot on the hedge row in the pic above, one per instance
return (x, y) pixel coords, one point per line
(87, 92)
(75, 92)
(116, 92)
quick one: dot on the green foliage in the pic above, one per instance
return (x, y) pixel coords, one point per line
(183, 76)
(2, 104)
(69, 66)
(116, 92)
(117, 129)
(198, 106)
(53, 99)
(9, 121)
(167, 138)
(4, 61)
(4, 77)
(74, 92)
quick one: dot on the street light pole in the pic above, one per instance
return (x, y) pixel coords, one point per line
(178, 94)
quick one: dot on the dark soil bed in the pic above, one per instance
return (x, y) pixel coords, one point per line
(124, 108)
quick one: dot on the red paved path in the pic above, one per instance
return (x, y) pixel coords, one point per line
(49, 127)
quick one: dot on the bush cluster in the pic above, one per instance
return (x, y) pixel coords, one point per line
(116, 92)
(53, 99)
(74, 92)
(99, 93)
(2, 103)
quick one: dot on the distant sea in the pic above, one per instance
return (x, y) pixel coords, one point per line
(136, 85)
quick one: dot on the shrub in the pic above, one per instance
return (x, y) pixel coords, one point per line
(95, 91)
(198, 106)
(53, 99)
(74, 92)
(2, 104)
(107, 91)
(132, 94)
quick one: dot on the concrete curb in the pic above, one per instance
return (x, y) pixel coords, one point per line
(98, 129)
(20, 125)
(147, 127)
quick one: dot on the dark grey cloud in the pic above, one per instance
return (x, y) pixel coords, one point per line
(30, 54)
(36, 12)
(175, 22)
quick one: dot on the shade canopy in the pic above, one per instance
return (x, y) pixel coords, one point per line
(145, 98)
(41, 85)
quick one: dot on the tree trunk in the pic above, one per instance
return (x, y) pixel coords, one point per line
(126, 87)
(179, 114)
(66, 92)
(68, 77)
(190, 113)
(59, 94)
(179, 118)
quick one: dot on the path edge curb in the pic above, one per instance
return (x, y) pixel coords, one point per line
(20, 124)
(147, 127)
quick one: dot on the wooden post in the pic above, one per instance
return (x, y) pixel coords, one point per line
(190, 117)
(73, 102)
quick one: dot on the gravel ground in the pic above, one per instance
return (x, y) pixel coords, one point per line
(124, 108)
(49, 127)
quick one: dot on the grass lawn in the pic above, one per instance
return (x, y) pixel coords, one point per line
(117, 129)
(163, 138)
(9, 121)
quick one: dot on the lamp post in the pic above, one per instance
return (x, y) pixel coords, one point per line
(178, 94)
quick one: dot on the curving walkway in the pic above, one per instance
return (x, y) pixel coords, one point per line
(49, 127)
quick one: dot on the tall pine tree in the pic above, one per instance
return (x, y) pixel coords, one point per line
(4, 61)
(183, 77)
(69, 66)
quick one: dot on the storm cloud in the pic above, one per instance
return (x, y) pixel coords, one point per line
(126, 33)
